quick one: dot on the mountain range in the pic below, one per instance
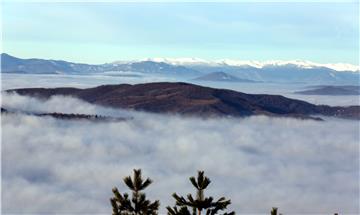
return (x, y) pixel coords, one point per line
(10, 64)
(275, 71)
(194, 100)
(256, 64)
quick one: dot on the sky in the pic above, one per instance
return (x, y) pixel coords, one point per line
(106, 32)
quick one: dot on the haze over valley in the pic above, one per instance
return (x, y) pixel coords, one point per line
(81, 160)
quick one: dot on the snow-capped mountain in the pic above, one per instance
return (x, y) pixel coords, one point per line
(256, 64)
(295, 71)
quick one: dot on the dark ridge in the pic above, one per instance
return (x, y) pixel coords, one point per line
(190, 99)
(66, 116)
(332, 90)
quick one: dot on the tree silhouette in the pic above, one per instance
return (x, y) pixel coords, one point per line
(274, 211)
(138, 204)
(200, 203)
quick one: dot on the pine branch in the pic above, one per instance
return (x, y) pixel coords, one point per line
(201, 202)
(274, 211)
(138, 204)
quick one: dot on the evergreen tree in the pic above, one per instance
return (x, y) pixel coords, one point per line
(274, 211)
(200, 203)
(138, 204)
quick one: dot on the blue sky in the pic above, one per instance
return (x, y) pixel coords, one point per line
(104, 32)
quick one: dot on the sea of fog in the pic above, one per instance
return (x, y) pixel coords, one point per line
(55, 166)
(10, 81)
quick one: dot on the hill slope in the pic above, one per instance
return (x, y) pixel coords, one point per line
(189, 99)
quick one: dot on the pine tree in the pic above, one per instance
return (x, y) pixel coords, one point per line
(274, 211)
(200, 203)
(138, 204)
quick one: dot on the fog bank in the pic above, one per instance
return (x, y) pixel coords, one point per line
(57, 166)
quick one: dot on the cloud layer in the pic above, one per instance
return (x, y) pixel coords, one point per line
(258, 162)
(12, 81)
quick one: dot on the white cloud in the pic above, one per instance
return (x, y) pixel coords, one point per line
(301, 166)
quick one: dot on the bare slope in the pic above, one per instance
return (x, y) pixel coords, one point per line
(190, 99)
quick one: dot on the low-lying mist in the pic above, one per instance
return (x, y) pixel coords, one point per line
(12, 81)
(59, 166)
